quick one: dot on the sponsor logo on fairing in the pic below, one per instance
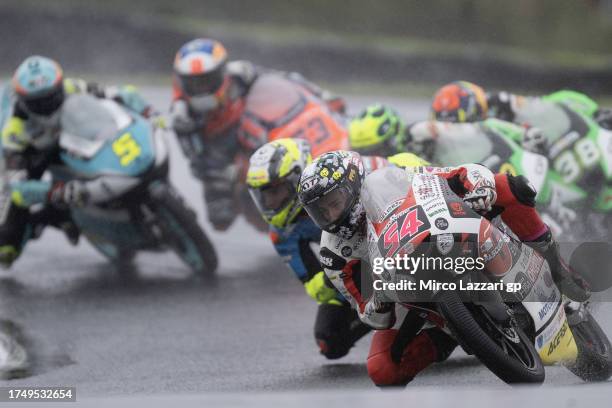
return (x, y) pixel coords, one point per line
(441, 223)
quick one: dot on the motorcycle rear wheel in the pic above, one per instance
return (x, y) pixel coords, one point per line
(594, 362)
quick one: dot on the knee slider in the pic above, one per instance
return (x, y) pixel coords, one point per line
(383, 371)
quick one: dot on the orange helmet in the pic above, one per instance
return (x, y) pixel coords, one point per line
(459, 101)
(200, 72)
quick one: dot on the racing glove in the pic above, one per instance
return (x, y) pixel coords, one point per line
(603, 117)
(25, 193)
(474, 182)
(378, 314)
(535, 141)
(129, 97)
(500, 106)
(181, 121)
(317, 289)
(70, 193)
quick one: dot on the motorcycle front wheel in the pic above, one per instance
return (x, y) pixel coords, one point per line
(506, 351)
(181, 231)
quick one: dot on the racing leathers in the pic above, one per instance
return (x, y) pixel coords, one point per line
(29, 146)
(337, 326)
(574, 138)
(211, 141)
(342, 259)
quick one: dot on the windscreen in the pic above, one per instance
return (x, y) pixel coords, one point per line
(383, 189)
(547, 116)
(463, 143)
(93, 119)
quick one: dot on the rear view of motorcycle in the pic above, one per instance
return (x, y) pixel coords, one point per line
(278, 107)
(494, 294)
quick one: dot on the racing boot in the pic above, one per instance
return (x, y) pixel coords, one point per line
(568, 281)
(337, 328)
(71, 231)
(8, 254)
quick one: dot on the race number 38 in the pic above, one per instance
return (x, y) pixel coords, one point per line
(571, 163)
(126, 148)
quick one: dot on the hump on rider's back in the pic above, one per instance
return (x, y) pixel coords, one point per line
(382, 188)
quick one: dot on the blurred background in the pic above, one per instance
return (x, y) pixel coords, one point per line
(162, 333)
(402, 47)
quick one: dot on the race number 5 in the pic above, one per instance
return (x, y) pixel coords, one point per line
(126, 148)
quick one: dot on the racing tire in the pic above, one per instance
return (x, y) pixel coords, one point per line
(513, 361)
(594, 361)
(182, 233)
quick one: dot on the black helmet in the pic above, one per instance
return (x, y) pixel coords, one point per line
(329, 190)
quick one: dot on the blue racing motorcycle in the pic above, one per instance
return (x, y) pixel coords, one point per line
(120, 161)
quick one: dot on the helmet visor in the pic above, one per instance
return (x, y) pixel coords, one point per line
(386, 148)
(273, 198)
(203, 84)
(47, 104)
(332, 208)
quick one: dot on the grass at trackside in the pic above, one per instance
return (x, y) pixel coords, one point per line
(279, 35)
(292, 35)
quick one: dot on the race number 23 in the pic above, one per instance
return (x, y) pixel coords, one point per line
(126, 148)
(570, 163)
(314, 132)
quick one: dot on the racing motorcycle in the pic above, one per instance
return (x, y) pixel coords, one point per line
(497, 144)
(515, 332)
(580, 154)
(123, 156)
(278, 107)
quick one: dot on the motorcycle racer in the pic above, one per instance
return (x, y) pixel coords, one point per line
(329, 189)
(30, 144)
(208, 103)
(570, 129)
(272, 179)
(462, 101)
(378, 131)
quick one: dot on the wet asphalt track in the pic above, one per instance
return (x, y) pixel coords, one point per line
(160, 332)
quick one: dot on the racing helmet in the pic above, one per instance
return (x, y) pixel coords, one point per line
(39, 86)
(272, 179)
(200, 72)
(329, 190)
(377, 130)
(459, 101)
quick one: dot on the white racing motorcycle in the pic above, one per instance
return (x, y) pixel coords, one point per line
(515, 333)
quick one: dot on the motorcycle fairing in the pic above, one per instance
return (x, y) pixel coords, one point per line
(130, 152)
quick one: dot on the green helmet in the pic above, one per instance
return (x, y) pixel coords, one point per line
(377, 130)
(273, 176)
